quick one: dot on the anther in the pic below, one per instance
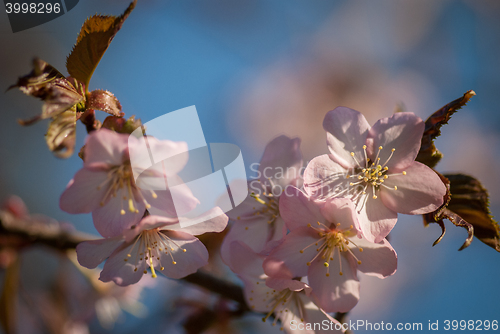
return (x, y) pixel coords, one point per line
(404, 173)
(122, 212)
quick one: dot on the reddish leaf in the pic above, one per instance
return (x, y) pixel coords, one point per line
(105, 101)
(470, 200)
(95, 36)
(466, 205)
(47, 84)
(35, 82)
(429, 154)
(61, 134)
(121, 125)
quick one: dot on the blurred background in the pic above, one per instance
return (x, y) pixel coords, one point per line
(256, 69)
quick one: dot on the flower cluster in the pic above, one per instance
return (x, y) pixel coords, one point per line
(134, 240)
(298, 250)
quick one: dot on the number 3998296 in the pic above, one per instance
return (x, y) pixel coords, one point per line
(33, 8)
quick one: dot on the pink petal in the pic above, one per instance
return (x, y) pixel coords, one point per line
(340, 211)
(257, 294)
(195, 257)
(334, 293)
(93, 252)
(108, 219)
(216, 224)
(325, 178)
(403, 132)
(148, 223)
(315, 315)
(184, 200)
(419, 191)
(122, 272)
(172, 156)
(255, 232)
(16, 206)
(281, 162)
(85, 192)
(105, 147)
(298, 210)
(244, 261)
(283, 283)
(250, 205)
(346, 132)
(375, 219)
(287, 257)
(377, 259)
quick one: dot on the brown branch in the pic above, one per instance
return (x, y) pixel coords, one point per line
(26, 232)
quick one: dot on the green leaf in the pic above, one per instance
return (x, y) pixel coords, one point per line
(429, 154)
(61, 134)
(105, 101)
(95, 36)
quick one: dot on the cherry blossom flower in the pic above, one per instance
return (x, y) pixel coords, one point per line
(105, 185)
(155, 242)
(323, 244)
(257, 220)
(286, 298)
(376, 168)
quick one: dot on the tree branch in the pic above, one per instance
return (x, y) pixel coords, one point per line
(27, 232)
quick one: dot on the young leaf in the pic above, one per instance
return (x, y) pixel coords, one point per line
(466, 205)
(429, 154)
(38, 79)
(122, 125)
(47, 84)
(95, 36)
(104, 100)
(470, 200)
(61, 134)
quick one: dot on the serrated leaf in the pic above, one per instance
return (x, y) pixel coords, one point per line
(429, 154)
(93, 40)
(61, 134)
(470, 201)
(105, 101)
